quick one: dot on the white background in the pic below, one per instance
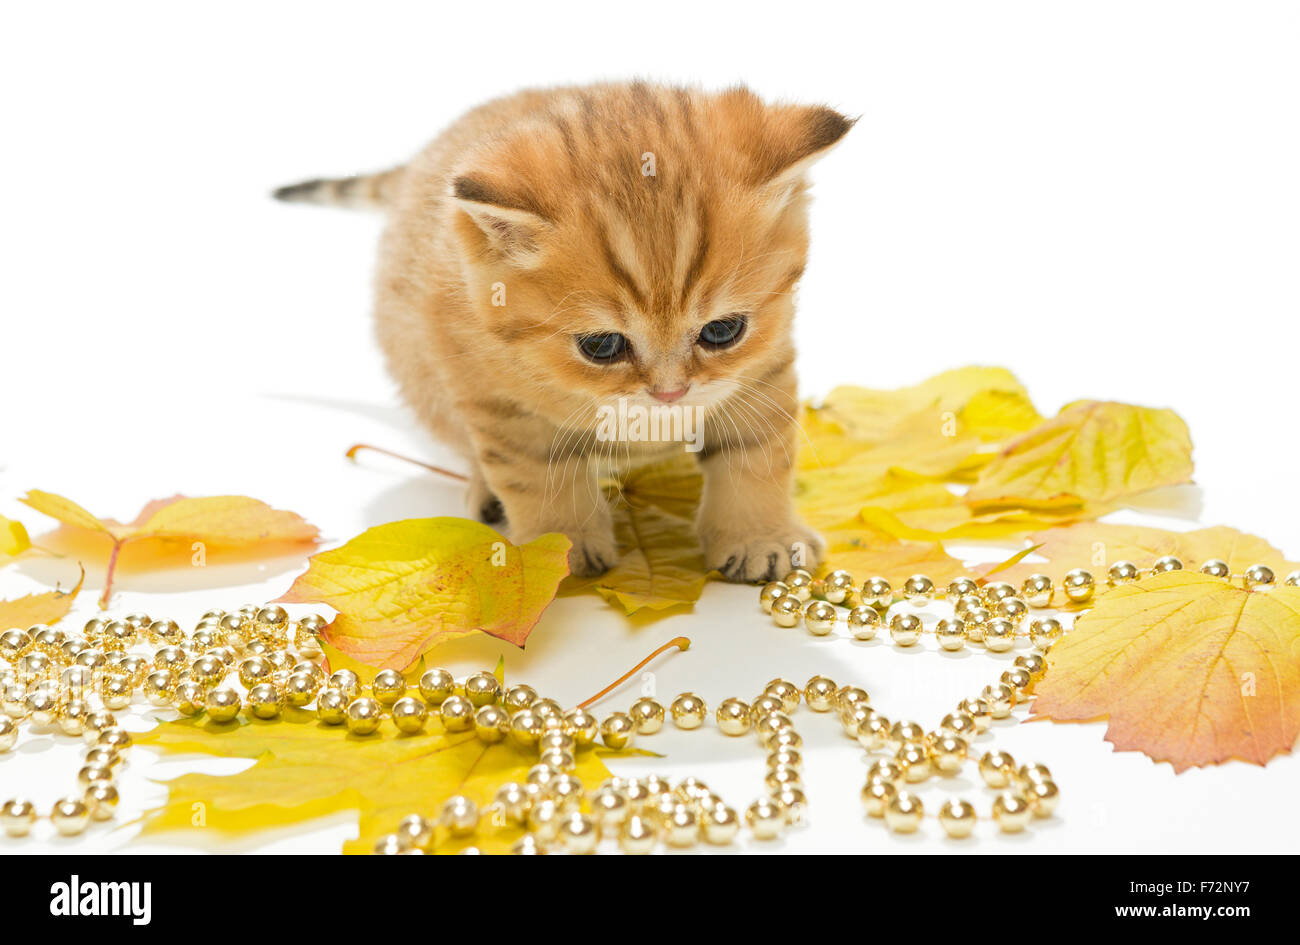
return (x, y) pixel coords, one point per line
(1102, 196)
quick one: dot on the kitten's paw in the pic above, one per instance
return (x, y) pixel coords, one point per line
(748, 559)
(592, 553)
(482, 504)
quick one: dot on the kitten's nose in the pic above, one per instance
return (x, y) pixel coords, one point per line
(668, 396)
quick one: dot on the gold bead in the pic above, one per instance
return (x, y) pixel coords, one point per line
(438, 685)
(1258, 575)
(876, 592)
(996, 768)
(363, 715)
(637, 835)
(819, 693)
(222, 705)
(961, 587)
(1032, 663)
(17, 816)
(332, 706)
(102, 800)
(766, 705)
(1216, 568)
(999, 635)
(409, 715)
(864, 622)
(1013, 609)
(846, 697)
(853, 717)
(1043, 797)
(526, 727)
(8, 733)
(787, 737)
(838, 585)
(579, 834)
(799, 584)
(787, 692)
(1045, 631)
(959, 724)
(905, 629)
(948, 753)
(1037, 590)
(906, 732)
(647, 714)
(732, 716)
(770, 592)
(876, 796)
(93, 774)
(388, 686)
(72, 717)
(617, 729)
(459, 816)
(918, 590)
(721, 825)
(457, 714)
(160, 687)
(978, 710)
(70, 816)
(765, 818)
(115, 692)
(1012, 812)
(491, 724)
(1167, 563)
(785, 757)
(915, 761)
(887, 770)
(951, 634)
(1000, 699)
(264, 702)
(1018, 679)
(1292, 579)
(819, 618)
(997, 591)
(681, 826)
(1122, 572)
(689, 711)
(957, 817)
(783, 776)
(583, 726)
(974, 620)
(417, 831)
(513, 800)
(786, 611)
(1079, 585)
(482, 689)
(873, 733)
(254, 670)
(189, 698)
(903, 813)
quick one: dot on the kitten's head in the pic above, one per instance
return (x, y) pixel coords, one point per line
(645, 241)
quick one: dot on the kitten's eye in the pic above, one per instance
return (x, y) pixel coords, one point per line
(723, 332)
(602, 348)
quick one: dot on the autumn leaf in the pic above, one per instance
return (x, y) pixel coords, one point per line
(1098, 545)
(304, 770)
(48, 607)
(13, 538)
(402, 588)
(219, 522)
(661, 564)
(1186, 668)
(1092, 451)
(864, 552)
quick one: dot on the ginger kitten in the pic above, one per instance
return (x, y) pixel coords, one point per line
(559, 254)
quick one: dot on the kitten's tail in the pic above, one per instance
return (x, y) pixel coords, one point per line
(364, 192)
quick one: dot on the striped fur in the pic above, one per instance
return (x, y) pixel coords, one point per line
(635, 208)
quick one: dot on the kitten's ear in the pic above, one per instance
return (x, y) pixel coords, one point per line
(785, 140)
(506, 224)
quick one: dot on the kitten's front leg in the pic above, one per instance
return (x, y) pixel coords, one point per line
(539, 495)
(747, 520)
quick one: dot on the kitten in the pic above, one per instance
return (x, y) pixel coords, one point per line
(559, 254)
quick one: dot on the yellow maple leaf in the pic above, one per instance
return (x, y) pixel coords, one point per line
(1092, 451)
(864, 552)
(304, 770)
(218, 522)
(1098, 545)
(404, 587)
(1186, 668)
